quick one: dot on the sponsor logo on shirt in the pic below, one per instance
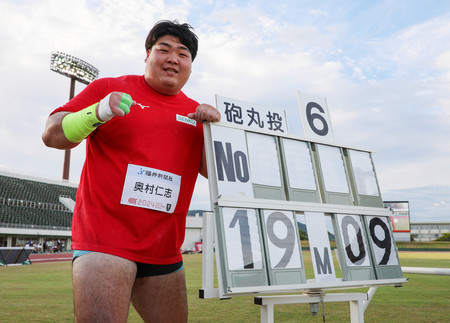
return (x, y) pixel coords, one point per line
(186, 120)
(142, 106)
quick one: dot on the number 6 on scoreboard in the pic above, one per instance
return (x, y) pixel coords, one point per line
(315, 117)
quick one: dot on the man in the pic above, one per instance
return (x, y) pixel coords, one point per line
(127, 248)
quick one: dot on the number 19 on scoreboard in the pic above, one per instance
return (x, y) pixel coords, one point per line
(260, 247)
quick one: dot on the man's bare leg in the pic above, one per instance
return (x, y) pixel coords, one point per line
(161, 298)
(102, 286)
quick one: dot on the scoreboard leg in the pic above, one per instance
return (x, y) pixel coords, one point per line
(370, 294)
(267, 313)
(357, 311)
(208, 290)
(356, 303)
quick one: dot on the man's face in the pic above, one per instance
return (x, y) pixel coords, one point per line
(168, 65)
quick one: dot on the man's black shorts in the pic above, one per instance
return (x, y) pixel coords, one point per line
(144, 270)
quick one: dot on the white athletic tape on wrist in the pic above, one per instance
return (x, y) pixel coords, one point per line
(104, 110)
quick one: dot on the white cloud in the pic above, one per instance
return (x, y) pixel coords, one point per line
(443, 60)
(427, 204)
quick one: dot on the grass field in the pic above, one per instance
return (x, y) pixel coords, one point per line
(42, 292)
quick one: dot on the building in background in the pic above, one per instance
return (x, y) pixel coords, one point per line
(428, 231)
(400, 219)
(193, 240)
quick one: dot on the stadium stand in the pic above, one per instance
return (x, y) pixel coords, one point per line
(33, 209)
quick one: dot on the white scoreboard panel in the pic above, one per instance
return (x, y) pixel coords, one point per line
(260, 177)
(247, 164)
(300, 171)
(282, 243)
(366, 247)
(265, 167)
(362, 172)
(258, 248)
(240, 248)
(319, 245)
(315, 117)
(382, 245)
(354, 253)
(333, 174)
(251, 165)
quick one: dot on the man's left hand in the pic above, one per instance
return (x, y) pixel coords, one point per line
(205, 113)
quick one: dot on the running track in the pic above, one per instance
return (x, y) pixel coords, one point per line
(49, 257)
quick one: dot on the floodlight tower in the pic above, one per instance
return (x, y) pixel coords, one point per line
(77, 70)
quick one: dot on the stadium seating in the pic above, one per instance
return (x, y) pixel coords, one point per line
(33, 203)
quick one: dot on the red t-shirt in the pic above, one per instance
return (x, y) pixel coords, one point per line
(152, 135)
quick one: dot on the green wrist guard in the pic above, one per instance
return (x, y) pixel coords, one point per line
(79, 125)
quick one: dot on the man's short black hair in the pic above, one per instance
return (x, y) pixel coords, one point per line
(184, 32)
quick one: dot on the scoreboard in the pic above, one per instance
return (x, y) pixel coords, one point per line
(261, 178)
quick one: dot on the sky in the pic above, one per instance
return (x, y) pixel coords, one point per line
(383, 67)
